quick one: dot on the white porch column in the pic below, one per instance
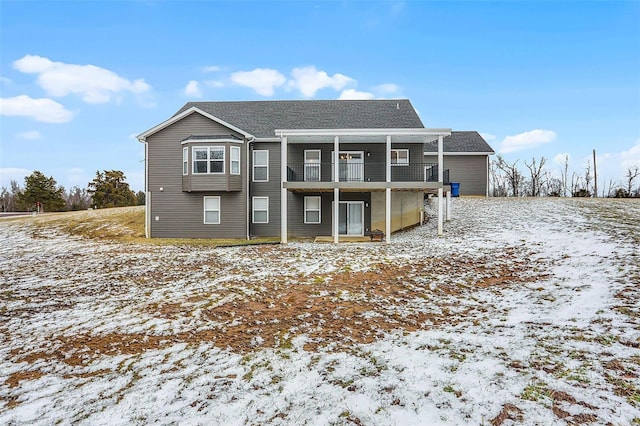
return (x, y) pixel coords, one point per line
(440, 180)
(448, 206)
(336, 190)
(283, 191)
(387, 200)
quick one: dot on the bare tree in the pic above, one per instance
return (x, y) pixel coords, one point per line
(564, 173)
(498, 182)
(632, 174)
(512, 174)
(535, 171)
(8, 197)
(587, 179)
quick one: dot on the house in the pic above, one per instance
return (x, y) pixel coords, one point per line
(269, 168)
(466, 156)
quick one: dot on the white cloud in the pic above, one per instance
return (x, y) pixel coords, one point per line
(214, 83)
(193, 89)
(387, 89)
(262, 80)
(631, 157)
(308, 80)
(488, 136)
(7, 174)
(42, 109)
(212, 68)
(527, 140)
(353, 94)
(30, 135)
(94, 84)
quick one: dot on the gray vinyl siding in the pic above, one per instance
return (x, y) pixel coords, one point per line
(375, 158)
(269, 189)
(181, 214)
(469, 170)
(296, 225)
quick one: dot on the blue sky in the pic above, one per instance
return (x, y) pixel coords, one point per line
(80, 79)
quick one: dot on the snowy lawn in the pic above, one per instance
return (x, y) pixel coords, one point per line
(526, 312)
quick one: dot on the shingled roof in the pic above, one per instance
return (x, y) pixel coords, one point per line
(261, 118)
(467, 141)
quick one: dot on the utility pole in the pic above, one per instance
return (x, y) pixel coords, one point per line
(595, 176)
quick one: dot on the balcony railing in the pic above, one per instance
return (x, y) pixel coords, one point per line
(364, 172)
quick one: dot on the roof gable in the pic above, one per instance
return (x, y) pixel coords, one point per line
(184, 113)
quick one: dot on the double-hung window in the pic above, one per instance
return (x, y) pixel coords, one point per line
(212, 210)
(235, 160)
(185, 160)
(261, 166)
(312, 210)
(208, 159)
(260, 209)
(399, 157)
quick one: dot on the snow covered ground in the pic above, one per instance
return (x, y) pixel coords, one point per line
(525, 312)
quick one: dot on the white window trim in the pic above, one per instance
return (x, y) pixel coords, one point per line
(403, 163)
(253, 209)
(185, 161)
(208, 160)
(253, 177)
(231, 160)
(319, 210)
(204, 205)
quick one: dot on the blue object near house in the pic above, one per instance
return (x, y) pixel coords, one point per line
(455, 189)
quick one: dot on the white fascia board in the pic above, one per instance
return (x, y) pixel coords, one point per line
(363, 132)
(142, 136)
(267, 140)
(458, 153)
(186, 141)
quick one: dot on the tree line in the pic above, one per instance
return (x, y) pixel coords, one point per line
(43, 194)
(535, 180)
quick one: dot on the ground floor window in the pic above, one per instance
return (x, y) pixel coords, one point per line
(212, 210)
(312, 209)
(260, 209)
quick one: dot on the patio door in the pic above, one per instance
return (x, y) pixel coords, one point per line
(351, 220)
(312, 165)
(350, 166)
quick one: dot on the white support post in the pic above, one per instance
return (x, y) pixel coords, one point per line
(336, 190)
(448, 206)
(387, 203)
(387, 216)
(283, 191)
(440, 181)
(440, 205)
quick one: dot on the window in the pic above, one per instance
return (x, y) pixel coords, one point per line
(312, 210)
(185, 160)
(261, 166)
(399, 157)
(212, 210)
(208, 159)
(235, 160)
(260, 209)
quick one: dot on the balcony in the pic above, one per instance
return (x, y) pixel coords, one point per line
(364, 172)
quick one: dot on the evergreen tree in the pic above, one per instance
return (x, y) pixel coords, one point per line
(110, 189)
(141, 197)
(41, 193)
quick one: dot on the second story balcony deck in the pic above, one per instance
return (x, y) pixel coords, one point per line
(363, 175)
